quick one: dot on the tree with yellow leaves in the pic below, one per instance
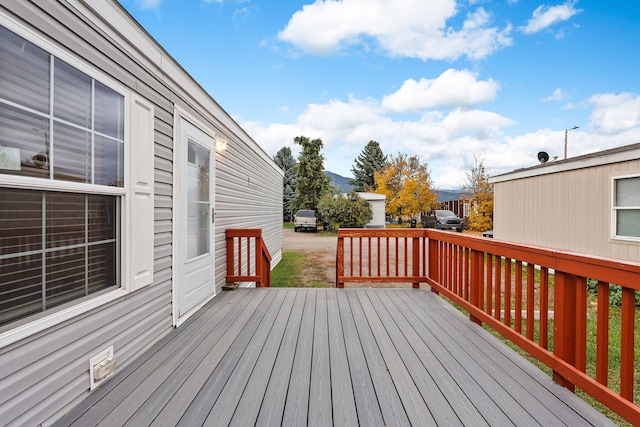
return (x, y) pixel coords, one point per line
(406, 182)
(480, 195)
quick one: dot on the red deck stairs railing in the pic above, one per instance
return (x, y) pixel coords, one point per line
(248, 269)
(535, 297)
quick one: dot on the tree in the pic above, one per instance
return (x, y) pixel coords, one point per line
(284, 159)
(368, 162)
(311, 181)
(480, 195)
(406, 182)
(344, 211)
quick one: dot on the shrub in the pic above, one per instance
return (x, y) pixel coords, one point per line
(339, 211)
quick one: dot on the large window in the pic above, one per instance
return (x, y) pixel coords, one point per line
(57, 124)
(626, 207)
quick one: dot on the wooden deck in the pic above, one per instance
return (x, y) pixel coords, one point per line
(296, 357)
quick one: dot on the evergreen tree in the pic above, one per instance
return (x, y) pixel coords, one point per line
(311, 181)
(368, 162)
(284, 159)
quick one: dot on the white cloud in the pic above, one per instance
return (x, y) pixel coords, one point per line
(409, 28)
(453, 88)
(614, 114)
(545, 16)
(557, 95)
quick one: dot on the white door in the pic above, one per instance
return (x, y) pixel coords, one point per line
(194, 216)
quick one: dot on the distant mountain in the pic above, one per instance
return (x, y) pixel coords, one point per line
(339, 181)
(342, 183)
(447, 195)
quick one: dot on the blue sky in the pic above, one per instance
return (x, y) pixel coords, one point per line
(447, 80)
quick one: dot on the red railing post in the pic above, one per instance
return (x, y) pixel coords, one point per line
(262, 260)
(564, 337)
(259, 260)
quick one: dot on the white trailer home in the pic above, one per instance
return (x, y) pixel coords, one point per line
(588, 204)
(112, 170)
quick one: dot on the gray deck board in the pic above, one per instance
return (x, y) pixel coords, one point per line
(342, 357)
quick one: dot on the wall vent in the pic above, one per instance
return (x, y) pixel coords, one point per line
(101, 367)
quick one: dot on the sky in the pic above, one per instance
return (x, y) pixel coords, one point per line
(455, 82)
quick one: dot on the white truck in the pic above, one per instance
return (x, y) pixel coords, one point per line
(305, 219)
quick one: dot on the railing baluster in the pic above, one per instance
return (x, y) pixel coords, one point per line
(489, 283)
(507, 292)
(498, 287)
(518, 297)
(530, 299)
(581, 324)
(628, 313)
(602, 339)
(544, 307)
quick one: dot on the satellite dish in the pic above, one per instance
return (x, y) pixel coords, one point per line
(543, 157)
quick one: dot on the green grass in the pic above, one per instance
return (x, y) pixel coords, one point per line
(286, 273)
(287, 225)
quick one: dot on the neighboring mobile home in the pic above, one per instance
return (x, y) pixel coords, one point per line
(588, 204)
(112, 169)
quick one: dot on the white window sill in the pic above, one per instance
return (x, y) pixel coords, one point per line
(39, 325)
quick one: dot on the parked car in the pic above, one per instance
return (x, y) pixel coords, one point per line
(442, 220)
(488, 233)
(305, 219)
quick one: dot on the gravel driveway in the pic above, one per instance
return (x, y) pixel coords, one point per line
(320, 263)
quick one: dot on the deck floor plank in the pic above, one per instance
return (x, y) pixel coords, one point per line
(364, 394)
(272, 408)
(225, 406)
(437, 403)
(320, 412)
(369, 357)
(247, 409)
(393, 412)
(342, 395)
(297, 404)
(174, 396)
(514, 373)
(412, 401)
(200, 405)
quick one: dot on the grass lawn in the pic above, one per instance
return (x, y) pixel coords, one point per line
(286, 273)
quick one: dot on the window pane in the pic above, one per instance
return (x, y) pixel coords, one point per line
(71, 154)
(628, 192)
(20, 221)
(20, 287)
(24, 140)
(65, 219)
(24, 72)
(102, 218)
(65, 276)
(71, 94)
(198, 219)
(102, 267)
(109, 112)
(628, 222)
(109, 162)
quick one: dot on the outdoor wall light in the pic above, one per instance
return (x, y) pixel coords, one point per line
(221, 145)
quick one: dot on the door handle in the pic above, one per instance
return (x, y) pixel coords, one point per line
(213, 215)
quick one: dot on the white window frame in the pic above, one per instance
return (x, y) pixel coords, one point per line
(132, 277)
(614, 210)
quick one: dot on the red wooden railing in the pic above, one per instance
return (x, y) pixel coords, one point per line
(250, 269)
(507, 286)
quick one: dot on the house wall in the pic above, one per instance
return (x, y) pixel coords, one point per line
(45, 374)
(568, 210)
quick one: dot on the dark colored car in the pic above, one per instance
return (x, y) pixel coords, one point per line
(488, 233)
(442, 220)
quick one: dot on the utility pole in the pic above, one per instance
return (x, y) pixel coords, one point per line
(566, 133)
